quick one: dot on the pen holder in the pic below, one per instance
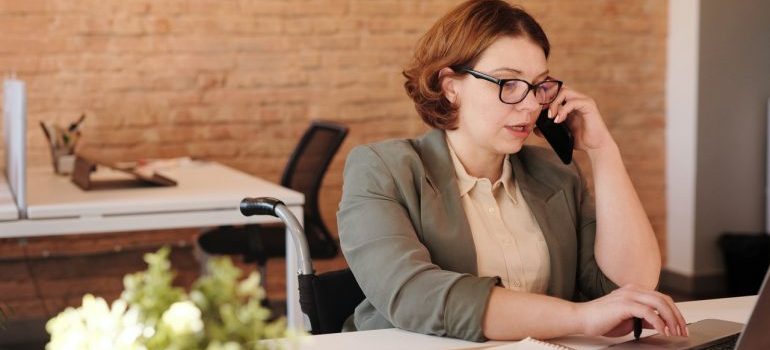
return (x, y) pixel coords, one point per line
(63, 161)
(62, 142)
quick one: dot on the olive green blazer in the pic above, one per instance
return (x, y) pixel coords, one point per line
(407, 240)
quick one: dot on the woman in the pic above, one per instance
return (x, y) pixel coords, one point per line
(465, 232)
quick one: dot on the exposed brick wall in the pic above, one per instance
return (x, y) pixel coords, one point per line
(238, 81)
(42, 276)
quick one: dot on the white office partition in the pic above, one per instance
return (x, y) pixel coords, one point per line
(681, 133)
(15, 130)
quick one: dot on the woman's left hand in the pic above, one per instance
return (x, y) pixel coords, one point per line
(583, 119)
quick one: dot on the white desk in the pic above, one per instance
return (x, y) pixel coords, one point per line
(731, 309)
(207, 194)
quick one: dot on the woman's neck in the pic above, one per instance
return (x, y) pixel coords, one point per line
(477, 161)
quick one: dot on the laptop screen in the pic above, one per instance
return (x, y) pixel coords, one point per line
(755, 335)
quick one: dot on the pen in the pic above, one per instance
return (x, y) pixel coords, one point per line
(74, 125)
(637, 327)
(48, 135)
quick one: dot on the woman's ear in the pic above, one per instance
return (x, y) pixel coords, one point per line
(449, 84)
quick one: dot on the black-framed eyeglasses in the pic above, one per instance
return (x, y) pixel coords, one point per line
(513, 91)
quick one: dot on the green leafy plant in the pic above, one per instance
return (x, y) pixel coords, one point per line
(221, 311)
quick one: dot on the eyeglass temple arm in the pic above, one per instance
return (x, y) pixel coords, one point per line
(478, 74)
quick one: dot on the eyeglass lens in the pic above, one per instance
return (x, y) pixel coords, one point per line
(515, 91)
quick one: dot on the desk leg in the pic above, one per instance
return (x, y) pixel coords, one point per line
(294, 315)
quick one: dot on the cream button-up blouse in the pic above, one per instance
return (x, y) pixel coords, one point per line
(509, 242)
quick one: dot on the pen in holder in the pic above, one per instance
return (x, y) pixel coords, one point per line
(62, 142)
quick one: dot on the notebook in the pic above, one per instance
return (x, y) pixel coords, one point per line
(530, 343)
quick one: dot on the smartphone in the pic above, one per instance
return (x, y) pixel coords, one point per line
(557, 135)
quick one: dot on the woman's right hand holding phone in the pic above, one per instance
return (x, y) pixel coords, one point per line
(581, 114)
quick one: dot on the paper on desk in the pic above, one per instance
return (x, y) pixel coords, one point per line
(576, 342)
(529, 344)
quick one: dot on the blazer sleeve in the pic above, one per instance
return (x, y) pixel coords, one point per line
(392, 266)
(592, 283)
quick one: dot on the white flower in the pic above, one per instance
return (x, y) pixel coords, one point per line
(95, 325)
(183, 317)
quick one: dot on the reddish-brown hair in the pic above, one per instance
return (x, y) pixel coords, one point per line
(458, 39)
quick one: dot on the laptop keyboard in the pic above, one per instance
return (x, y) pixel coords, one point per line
(726, 344)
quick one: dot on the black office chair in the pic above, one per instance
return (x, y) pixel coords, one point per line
(303, 173)
(327, 299)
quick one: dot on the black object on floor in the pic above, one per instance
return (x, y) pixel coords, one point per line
(747, 257)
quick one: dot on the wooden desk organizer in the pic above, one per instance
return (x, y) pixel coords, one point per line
(81, 176)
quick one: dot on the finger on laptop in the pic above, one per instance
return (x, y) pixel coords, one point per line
(649, 315)
(661, 303)
(665, 310)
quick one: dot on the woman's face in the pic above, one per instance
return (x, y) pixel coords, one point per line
(483, 120)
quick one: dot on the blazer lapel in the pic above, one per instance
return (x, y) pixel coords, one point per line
(445, 227)
(545, 201)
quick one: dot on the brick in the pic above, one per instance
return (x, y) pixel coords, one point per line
(19, 64)
(376, 9)
(318, 8)
(299, 26)
(24, 7)
(272, 7)
(435, 8)
(168, 7)
(24, 309)
(329, 26)
(268, 44)
(212, 7)
(336, 42)
(21, 25)
(16, 288)
(15, 273)
(258, 26)
(197, 44)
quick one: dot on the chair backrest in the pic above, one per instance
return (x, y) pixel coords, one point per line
(304, 173)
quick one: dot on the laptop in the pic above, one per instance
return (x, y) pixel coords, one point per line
(717, 334)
